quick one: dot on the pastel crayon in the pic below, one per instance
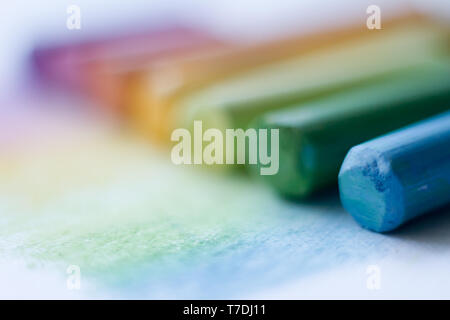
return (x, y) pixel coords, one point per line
(236, 102)
(385, 182)
(315, 137)
(111, 80)
(160, 96)
(89, 66)
(61, 62)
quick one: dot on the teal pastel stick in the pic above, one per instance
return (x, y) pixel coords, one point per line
(390, 180)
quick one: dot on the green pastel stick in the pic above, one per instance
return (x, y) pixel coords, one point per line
(315, 137)
(234, 103)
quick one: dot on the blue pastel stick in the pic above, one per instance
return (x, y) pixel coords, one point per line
(390, 180)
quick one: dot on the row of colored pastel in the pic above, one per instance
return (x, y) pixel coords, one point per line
(325, 93)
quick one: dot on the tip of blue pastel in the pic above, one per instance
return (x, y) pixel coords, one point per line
(369, 190)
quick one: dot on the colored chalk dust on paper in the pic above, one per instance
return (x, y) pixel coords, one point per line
(140, 227)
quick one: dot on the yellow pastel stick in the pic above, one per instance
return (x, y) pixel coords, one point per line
(156, 94)
(152, 91)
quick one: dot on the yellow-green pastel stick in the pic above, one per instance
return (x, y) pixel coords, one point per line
(234, 103)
